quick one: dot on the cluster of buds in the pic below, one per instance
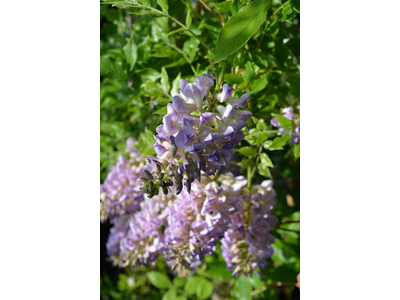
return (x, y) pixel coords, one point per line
(197, 136)
(166, 176)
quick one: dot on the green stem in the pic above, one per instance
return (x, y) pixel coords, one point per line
(137, 5)
(177, 22)
(249, 177)
(280, 7)
(257, 160)
(183, 54)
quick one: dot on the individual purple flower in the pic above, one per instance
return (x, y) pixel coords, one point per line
(119, 194)
(197, 136)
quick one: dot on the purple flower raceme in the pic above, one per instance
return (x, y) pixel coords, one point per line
(197, 136)
(119, 194)
(198, 220)
(215, 210)
(247, 243)
(290, 115)
(144, 241)
(138, 239)
(117, 233)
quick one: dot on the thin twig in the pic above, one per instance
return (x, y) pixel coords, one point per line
(211, 11)
(183, 54)
(287, 222)
(279, 8)
(163, 14)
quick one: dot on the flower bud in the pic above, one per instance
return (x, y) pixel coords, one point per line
(148, 174)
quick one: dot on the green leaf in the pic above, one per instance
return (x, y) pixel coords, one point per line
(288, 13)
(190, 48)
(234, 7)
(240, 27)
(191, 285)
(297, 151)
(169, 295)
(293, 217)
(130, 51)
(145, 2)
(223, 6)
(265, 160)
(217, 270)
(248, 151)
(159, 280)
(188, 19)
(204, 289)
(256, 282)
(233, 78)
(261, 138)
(285, 123)
(153, 89)
(242, 289)
(264, 171)
(164, 80)
(277, 143)
(162, 111)
(285, 255)
(294, 86)
(163, 4)
(261, 125)
(249, 72)
(179, 282)
(246, 163)
(176, 83)
(259, 84)
(146, 142)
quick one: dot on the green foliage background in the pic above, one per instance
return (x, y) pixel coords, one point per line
(146, 47)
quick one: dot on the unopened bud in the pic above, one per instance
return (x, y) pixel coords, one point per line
(179, 187)
(165, 190)
(148, 174)
(188, 186)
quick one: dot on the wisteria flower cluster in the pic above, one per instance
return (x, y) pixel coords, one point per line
(119, 194)
(288, 113)
(198, 134)
(186, 227)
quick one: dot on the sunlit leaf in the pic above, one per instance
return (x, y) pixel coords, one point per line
(240, 27)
